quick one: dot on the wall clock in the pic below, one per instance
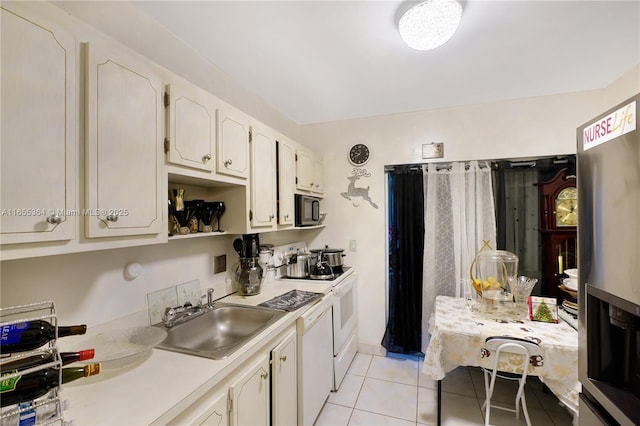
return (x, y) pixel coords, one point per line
(359, 154)
(567, 207)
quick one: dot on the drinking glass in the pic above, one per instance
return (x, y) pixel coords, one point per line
(193, 211)
(206, 214)
(521, 288)
(218, 210)
(468, 291)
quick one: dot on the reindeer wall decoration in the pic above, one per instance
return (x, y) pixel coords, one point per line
(353, 191)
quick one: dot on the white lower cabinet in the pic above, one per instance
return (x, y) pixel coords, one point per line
(284, 382)
(263, 392)
(249, 395)
(209, 410)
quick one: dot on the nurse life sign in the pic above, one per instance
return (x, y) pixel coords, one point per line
(618, 123)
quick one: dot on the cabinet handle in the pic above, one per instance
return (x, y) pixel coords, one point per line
(264, 375)
(286, 216)
(206, 158)
(112, 218)
(54, 219)
(283, 358)
(228, 163)
(311, 184)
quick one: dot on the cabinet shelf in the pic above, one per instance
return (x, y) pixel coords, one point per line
(299, 228)
(196, 235)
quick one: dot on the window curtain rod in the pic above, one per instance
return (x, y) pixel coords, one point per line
(439, 166)
(496, 164)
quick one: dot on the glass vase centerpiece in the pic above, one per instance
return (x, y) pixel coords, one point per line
(490, 272)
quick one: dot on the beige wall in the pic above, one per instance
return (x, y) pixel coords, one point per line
(518, 128)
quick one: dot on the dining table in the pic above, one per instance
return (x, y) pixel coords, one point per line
(459, 328)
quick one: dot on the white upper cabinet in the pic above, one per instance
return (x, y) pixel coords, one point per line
(309, 173)
(233, 142)
(318, 177)
(124, 143)
(38, 137)
(286, 181)
(305, 170)
(263, 176)
(191, 126)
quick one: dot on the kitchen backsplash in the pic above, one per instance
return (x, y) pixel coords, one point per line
(92, 288)
(172, 296)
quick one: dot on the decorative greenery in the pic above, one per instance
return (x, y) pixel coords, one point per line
(543, 313)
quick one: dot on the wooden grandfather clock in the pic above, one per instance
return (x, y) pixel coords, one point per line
(558, 229)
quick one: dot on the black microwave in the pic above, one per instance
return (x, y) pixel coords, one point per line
(307, 210)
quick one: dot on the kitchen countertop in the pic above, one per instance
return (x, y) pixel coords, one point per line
(165, 383)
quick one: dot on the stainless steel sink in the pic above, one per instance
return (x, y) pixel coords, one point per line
(219, 332)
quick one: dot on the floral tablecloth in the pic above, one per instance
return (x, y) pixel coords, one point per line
(458, 333)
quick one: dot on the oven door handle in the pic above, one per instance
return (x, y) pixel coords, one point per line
(343, 288)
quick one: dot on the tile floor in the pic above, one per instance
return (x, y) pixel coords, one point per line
(391, 391)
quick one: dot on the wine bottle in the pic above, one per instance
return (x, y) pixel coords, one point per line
(33, 385)
(31, 335)
(45, 358)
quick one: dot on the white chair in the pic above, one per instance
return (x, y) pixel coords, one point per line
(511, 345)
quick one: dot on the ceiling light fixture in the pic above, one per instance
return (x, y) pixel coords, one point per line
(430, 24)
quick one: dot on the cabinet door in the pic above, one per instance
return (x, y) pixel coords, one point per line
(209, 410)
(318, 177)
(284, 403)
(305, 170)
(191, 132)
(218, 413)
(286, 185)
(124, 140)
(233, 142)
(38, 138)
(249, 395)
(263, 176)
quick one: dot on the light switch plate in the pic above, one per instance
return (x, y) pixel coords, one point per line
(220, 264)
(353, 245)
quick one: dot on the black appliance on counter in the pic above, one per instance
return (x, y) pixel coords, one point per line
(609, 266)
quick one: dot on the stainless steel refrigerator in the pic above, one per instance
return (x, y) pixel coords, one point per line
(609, 266)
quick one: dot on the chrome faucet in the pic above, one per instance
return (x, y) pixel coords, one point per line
(179, 314)
(209, 298)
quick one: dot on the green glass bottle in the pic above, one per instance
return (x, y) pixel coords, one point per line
(34, 385)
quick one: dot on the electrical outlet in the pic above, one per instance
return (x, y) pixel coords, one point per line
(353, 245)
(219, 264)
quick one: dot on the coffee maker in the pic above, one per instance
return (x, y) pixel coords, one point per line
(248, 274)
